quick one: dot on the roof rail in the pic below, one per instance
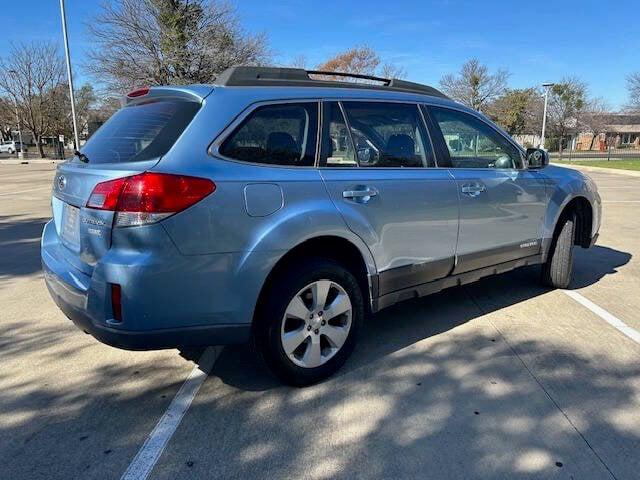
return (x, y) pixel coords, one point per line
(298, 77)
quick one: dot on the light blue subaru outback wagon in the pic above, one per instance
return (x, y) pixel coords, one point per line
(283, 206)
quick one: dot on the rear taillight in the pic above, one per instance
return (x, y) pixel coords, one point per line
(148, 197)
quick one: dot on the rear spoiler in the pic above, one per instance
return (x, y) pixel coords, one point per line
(189, 93)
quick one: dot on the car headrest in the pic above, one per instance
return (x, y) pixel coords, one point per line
(400, 146)
(281, 142)
(400, 152)
(455, 145)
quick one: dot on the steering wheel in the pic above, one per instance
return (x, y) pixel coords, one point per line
(503, 162)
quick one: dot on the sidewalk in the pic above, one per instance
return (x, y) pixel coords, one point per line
(618, 171)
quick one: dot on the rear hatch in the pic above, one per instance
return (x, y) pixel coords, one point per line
(132, 141)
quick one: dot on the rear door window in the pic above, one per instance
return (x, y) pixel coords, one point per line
(280, 134)
(140, 132)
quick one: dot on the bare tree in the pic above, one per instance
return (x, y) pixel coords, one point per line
(299, 61)
(474, 86)
(390, 70)
(7, 118)
(594, 118)
(566, 103)
(361, 60)
(29, 76)
(155, 42)
(633, 86)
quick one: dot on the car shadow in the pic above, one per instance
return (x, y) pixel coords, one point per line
(407, 323)
(590, 265)
(460, 405)
(20, 246)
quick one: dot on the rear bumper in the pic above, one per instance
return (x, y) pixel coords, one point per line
(72, 302)
(158, 314)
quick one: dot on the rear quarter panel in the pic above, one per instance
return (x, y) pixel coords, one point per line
(220, 224)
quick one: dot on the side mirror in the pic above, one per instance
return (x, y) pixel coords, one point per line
(537, 158)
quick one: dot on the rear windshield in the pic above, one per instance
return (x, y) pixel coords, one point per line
(140, 131)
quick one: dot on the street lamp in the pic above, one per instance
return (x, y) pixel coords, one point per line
(15, 100)
(69, 76)
(547, 87)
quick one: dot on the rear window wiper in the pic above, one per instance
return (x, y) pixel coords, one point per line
(81, 156)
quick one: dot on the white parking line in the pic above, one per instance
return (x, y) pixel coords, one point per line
(154, 445)
(26, 190)
(612, 320)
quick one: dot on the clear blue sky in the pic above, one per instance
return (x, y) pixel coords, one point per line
(536, 41)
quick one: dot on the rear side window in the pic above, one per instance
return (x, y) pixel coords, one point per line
(388, 135)
(140, 131)
(284, 134)
(472, 143)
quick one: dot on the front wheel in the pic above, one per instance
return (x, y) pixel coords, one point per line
(558, 269)
(309, 320)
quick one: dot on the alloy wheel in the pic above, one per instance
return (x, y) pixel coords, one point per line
(316, 323)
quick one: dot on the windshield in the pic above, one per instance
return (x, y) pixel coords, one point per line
(140, 131)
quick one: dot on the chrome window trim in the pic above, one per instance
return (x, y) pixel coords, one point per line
(214, 147)
(480, 118)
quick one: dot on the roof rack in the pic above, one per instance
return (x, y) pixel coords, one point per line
(298, 77)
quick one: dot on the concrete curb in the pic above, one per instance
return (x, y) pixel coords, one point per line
(617, 171)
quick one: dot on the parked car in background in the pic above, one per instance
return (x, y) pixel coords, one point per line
(282, 208)
(12, 147)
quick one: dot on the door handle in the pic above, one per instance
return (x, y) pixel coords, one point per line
(473, 189)
(362, 195)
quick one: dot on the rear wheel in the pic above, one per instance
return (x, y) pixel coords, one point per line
(557, 270)
(308, 321)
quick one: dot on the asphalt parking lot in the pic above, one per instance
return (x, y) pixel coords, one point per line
(500, 379)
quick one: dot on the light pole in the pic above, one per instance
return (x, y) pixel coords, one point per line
(69, 75)
(547, 87)
(15, 100)
(21, 153)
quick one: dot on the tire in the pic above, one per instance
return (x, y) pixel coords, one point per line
(558, 269)
(289, 297)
